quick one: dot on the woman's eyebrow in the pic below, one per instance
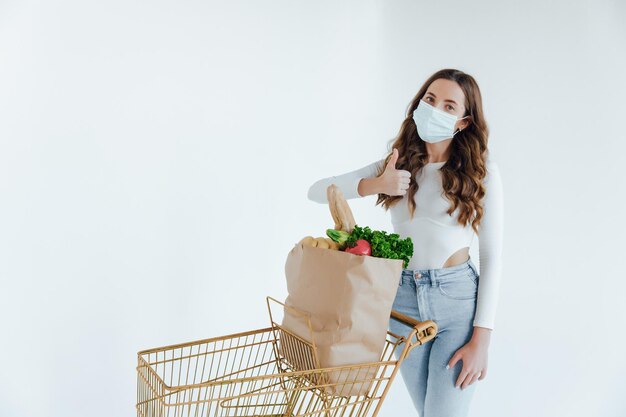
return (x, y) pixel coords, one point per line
(452, 101)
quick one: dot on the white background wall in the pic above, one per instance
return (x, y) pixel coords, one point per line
(155, 159)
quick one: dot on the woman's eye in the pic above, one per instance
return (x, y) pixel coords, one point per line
(450, 107)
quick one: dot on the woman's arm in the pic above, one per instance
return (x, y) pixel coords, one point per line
(490, 239)
(348, 183)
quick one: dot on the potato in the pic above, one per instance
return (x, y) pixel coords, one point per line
(308, 241)
(319, 242)
(332, 244)
(322, 243)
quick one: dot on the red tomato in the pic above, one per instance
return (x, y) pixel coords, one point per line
(362, 247)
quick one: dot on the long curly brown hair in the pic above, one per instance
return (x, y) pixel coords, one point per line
(465, 169)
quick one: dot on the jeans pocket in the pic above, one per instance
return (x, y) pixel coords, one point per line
(462, 289)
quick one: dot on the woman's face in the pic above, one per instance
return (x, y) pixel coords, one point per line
(446, 95)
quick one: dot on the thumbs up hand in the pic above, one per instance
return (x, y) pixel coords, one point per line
(394, 181)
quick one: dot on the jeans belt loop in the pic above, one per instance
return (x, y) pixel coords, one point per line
(433, 280)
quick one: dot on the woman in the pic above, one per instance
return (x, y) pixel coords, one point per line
(441, 188)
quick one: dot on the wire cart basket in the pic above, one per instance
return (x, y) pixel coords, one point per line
(248, 374)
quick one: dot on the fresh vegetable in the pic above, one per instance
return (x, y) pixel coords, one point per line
(322, 243)
(338, 236)
(308, 241)
(332, 244)
(339, 209)
(362, 248)
(319, 242)
(383, 245)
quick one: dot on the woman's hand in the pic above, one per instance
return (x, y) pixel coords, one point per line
(394, 181)
(474, 355)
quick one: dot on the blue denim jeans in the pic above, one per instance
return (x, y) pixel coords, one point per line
(446, 296)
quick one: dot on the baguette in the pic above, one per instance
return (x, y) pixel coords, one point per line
(330, 195)
(339, 209)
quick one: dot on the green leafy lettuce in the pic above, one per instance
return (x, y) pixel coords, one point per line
(383, 245)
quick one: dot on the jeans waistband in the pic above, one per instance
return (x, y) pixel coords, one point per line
(434, 275)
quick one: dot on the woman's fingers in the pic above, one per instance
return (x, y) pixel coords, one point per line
(462, 376)
(471, 379)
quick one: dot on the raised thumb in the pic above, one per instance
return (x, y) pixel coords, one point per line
(394, 159)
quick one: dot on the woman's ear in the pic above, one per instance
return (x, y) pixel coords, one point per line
(466, 122)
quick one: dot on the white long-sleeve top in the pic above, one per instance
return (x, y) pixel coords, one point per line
(435, 234)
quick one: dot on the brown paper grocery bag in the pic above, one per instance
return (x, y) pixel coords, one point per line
(349, 299)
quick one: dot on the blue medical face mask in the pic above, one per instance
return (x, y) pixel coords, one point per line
(434, 125)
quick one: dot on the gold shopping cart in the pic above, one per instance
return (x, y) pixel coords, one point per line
(249, 374)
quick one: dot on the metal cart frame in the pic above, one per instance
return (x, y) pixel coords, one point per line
(248, 374)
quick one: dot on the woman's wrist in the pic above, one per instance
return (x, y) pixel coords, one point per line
(368, 186)
(481, 334)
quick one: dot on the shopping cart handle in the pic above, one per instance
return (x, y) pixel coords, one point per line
(406, 319)
(424, 331)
